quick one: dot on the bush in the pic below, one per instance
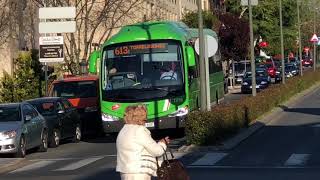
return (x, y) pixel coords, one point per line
(203, 128)
(23, 84)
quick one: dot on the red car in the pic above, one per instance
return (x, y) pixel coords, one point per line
(307, 62)
(83, 93)
(271, 69)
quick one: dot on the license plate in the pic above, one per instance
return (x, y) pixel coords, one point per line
(149, 124)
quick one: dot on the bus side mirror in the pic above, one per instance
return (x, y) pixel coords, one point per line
(191, 56)
(93, 62)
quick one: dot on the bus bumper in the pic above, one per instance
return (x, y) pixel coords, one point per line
(159, 123)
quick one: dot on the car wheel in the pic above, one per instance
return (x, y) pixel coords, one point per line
(77, 134)
(55, 138)
(21, 153)
(44, 142)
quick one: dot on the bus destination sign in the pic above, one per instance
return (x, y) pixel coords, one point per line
(140, 49)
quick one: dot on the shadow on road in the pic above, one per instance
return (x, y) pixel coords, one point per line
(312, 111)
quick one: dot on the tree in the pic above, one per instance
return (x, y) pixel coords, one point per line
(266, 22)
(96, 20)
(233, 37)
(210, 21)
(21, 86)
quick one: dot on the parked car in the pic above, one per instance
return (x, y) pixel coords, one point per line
(62, 119)
(291, 70)
(261, 81)
(83, 93)
(21, 128)
(307, 62)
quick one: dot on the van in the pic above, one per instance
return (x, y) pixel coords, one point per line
(83, 93)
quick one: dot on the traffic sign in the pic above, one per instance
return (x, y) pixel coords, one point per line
(64, 15)
(246, 2)
(51, 49)
(57, 13)
(314, 38)
(57, 27)
(212, 46)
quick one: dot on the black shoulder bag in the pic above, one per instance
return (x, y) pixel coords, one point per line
(171, 169)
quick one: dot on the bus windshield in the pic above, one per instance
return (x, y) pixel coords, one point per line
(142, 71)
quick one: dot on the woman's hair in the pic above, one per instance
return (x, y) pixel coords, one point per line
(136, 114)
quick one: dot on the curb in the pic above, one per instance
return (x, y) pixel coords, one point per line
(264, 119)
(7, 164)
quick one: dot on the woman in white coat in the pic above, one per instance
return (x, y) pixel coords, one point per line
(136, 150)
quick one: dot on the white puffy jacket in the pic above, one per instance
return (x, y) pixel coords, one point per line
(136, 150)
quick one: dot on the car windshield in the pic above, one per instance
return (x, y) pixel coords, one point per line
(259, 73)
(289, 68)
(79, 89)
(9, 113)
(44, 108)
(142, 71)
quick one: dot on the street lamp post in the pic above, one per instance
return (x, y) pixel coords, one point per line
(253, 63)
(299, 32)
(282, 49)
(203, 98)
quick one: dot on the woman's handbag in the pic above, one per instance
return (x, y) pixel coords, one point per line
(171, 169)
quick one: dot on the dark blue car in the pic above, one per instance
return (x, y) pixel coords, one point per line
(262, 81)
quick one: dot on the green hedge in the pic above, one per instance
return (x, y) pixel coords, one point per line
(204, 128)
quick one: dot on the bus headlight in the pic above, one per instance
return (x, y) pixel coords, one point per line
(180, 112)
(108, 118)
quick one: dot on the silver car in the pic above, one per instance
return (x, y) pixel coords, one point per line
(21, 128)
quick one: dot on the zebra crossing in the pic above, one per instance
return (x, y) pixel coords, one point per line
(214, 160)
(207, 160)
(70, 164)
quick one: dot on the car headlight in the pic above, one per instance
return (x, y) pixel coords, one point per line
(264, 82)
(108, 118)
(180, 112)
(91, 109)
(8, 134)
(245, 83)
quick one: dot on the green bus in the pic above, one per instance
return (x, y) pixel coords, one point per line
(152, 63)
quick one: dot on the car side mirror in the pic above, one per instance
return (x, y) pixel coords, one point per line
(61, 112)
(28, 118)
(191, 56)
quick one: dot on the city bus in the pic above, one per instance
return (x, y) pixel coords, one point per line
(155, 64)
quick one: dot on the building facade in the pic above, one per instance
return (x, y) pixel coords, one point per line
(24, 31)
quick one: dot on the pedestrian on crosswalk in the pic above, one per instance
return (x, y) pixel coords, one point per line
(136, 150)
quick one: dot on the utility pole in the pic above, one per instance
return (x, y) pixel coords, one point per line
(203, 98)
(299, 31)
(314, 43)
(253, 63)
(282, 49)
(45, 64)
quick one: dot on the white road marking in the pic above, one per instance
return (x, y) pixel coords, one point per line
(209, 159)
(249, 167)
(36, 165)
(75, 158)
(78, 164)
(297, 160)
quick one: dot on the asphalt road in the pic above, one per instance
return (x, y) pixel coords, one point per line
(286, 148)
